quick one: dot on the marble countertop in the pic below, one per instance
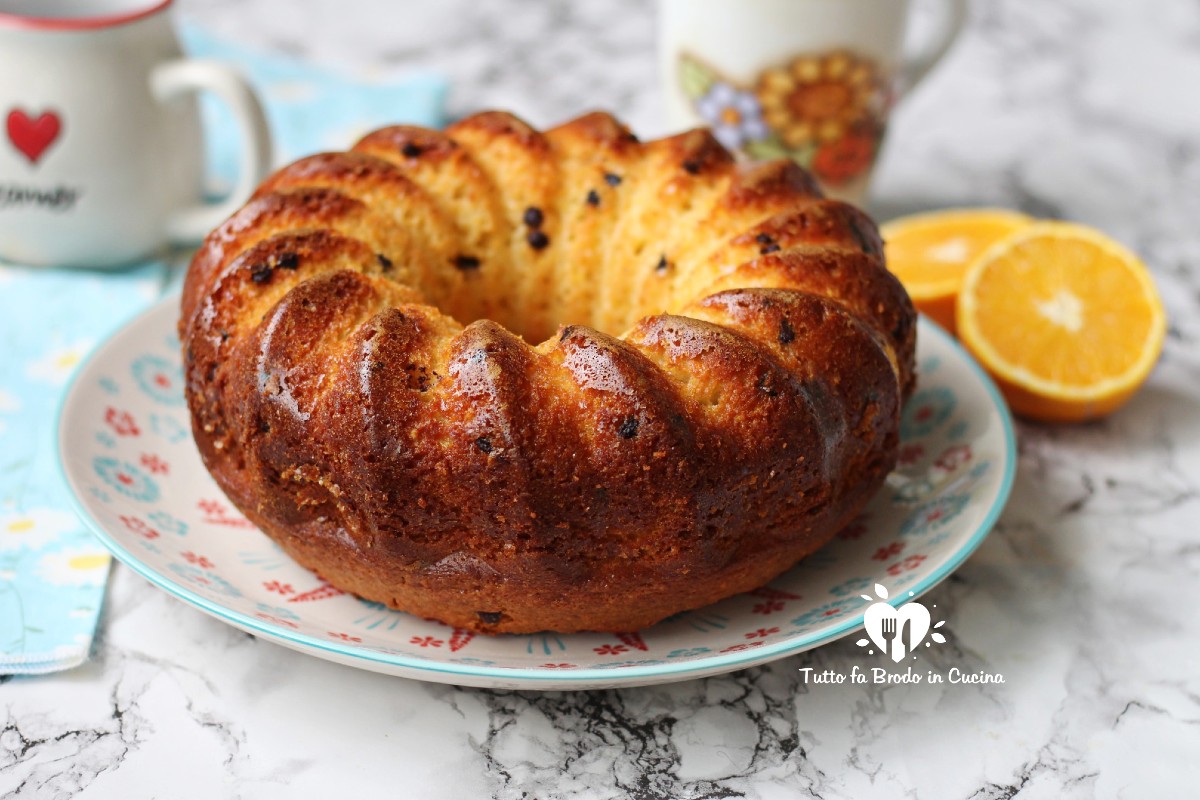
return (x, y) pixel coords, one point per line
(1083, 597)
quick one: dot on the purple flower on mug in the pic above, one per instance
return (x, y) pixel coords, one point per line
(735, 115)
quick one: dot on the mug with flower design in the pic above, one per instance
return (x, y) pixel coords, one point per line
(810, 80)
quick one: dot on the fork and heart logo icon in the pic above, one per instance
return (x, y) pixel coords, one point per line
(897, 632)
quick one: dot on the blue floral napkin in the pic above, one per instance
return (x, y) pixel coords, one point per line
(52, 571)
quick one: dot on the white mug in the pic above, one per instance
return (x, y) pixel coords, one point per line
(811, 80)
(101, 153)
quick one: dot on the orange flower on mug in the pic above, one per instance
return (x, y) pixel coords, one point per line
(819, 99)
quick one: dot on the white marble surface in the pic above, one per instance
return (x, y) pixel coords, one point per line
(1083, 597)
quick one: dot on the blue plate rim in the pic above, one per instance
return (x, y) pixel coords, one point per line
(719, 663)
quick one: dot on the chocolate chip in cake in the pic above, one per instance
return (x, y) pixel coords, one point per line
(663, 265)
(628, 428)
(484, 444)
(411, 150)
(765, 385)
(537, 240)
(534, 217)
(260, 273)
(465, 262)
(786, 334)
(385, 263)
(769, 245)
(593, 197)
(264, 426)
(489, 617)
(287, 261)
(612, 179)
(691, 166)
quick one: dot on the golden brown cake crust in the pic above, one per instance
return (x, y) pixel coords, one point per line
(716, 391)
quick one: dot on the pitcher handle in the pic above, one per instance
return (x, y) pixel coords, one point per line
(175, 78)
(918, 64)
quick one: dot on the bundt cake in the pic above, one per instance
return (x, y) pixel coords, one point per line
(716, 391)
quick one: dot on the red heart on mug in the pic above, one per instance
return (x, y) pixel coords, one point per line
(33, 136)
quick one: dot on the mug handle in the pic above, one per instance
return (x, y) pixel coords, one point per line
(919, 64)
(173, 79)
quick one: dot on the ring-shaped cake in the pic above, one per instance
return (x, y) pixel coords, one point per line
(715, 391)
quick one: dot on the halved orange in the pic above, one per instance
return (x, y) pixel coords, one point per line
(930, 252)
(1066, 320)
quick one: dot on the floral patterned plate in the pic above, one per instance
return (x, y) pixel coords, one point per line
(127, 455)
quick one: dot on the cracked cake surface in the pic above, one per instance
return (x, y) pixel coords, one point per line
(518, 380)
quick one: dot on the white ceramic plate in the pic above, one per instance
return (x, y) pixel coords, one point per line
(127, 454)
